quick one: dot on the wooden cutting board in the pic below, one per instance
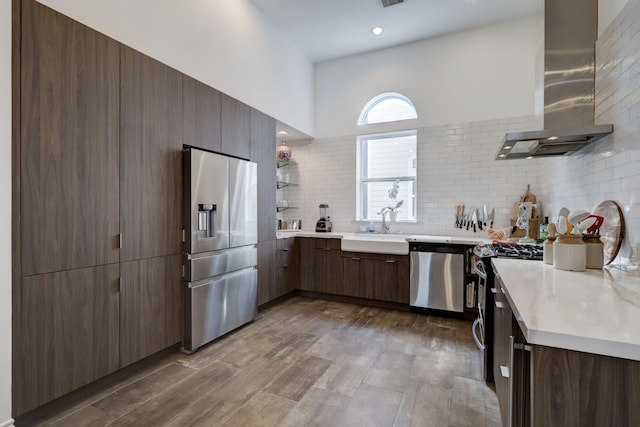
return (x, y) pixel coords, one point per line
(528, 196)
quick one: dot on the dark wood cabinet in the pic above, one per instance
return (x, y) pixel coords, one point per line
(235, 122)
(573, 388)
(263, 152)
(150, 157)
(150, 306)
(69, 333)
(287, 266)
(267, 280)
(376, 276)
(352, 283)
(501, 338)
(307, 254)
(327, 263)
(386, 279)
(69, 127)
(200, 115)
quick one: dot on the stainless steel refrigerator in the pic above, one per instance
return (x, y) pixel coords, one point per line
(221, 256)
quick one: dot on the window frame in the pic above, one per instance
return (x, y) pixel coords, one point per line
(363, 119)
(363, 179)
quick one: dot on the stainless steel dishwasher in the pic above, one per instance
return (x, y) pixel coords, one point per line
(437, 276)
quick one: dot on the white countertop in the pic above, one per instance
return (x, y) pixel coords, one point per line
(426, 238)
(596, 311)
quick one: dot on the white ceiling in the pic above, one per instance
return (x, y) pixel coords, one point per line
(330, 29)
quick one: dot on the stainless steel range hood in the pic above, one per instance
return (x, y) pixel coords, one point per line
(570, 32)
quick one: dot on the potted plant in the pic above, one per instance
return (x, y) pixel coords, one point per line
(393, 209)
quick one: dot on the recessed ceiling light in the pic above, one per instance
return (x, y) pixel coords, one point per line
(376, 31)
(502, 155)
(283, 132)
(552, 138)
(530, 157)
(507, 147)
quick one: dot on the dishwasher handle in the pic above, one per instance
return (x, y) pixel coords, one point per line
(437, 248)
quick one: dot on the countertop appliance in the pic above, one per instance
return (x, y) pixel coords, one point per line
(482, 328)
(437, 277)
(221, 255)
(324, 223)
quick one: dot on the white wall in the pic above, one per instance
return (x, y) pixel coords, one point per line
(609, 169)
(607, 12)
(229, 45)
(483, 74)
(5, 213)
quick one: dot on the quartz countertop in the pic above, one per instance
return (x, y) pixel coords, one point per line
(425, 238)
(595, 311)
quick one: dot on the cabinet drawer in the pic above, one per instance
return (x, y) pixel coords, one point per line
(285, 247)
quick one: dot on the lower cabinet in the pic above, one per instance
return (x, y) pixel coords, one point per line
(375, 276)
(327, 266)
(286, 274)
(320, 265)
(503, 330)
(150, 306)
(267, 256)
(544, 386)
(69, 333)
(277, 269)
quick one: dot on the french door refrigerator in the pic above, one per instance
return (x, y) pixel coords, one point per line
(221, 255)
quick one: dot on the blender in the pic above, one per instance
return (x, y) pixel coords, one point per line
(324, 223)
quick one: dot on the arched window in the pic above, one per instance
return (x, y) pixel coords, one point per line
(387, 162)
(387, 107)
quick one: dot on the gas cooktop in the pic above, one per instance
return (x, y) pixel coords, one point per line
(509, 250)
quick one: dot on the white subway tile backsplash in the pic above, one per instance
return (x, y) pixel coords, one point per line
(455, 165)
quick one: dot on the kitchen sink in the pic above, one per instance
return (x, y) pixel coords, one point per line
(393, 244)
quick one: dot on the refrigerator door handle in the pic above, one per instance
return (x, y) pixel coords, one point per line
(213, 222)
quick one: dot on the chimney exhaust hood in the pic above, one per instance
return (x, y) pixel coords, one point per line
(570, 32)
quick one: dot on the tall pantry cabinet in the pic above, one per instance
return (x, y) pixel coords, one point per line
(66, 301)
(99, 206)
(150, 205)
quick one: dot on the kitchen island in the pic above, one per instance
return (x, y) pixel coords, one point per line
(567, 345)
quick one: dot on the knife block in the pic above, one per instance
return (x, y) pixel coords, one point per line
(534, 229)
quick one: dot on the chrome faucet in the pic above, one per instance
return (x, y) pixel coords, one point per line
(384, 227)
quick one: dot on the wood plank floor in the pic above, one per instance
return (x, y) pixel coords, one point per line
(309, 362)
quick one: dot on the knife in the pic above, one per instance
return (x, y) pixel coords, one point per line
(493, 212)
(474, 219)
(485, 215)
(481, 218)
(469, 216)
(458, 215)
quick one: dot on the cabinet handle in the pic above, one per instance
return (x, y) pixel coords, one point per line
(504, 371)
(285, 250)
(119, 284)
(390, 261)
(119, 240)
(499, 305)
(356, 259)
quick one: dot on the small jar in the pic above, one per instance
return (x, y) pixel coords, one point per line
(595, 251)
(547, 253)
(570, 253)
